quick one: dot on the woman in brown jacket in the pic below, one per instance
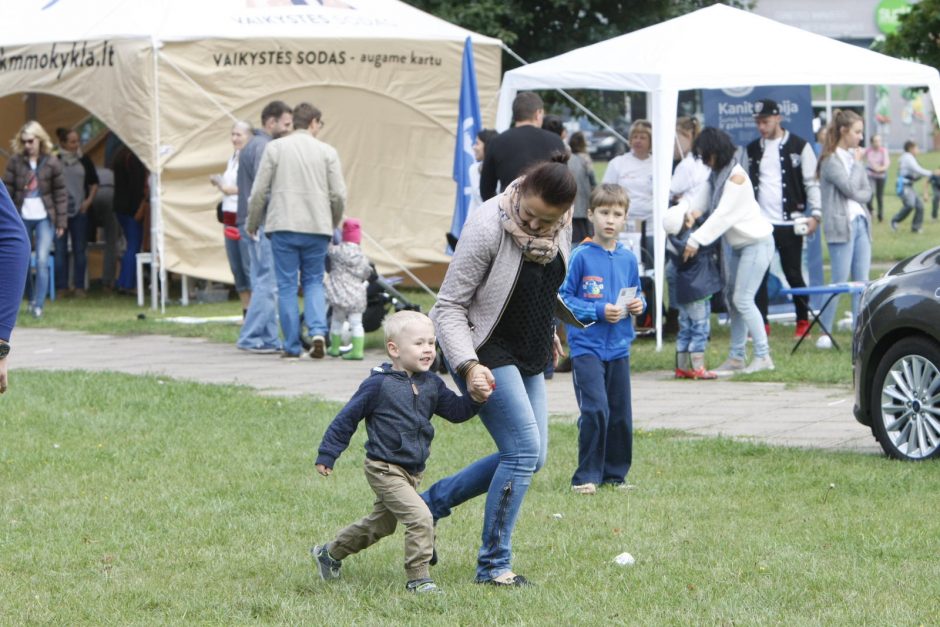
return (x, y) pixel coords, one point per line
(36, 183)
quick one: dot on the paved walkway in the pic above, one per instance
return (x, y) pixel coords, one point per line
(775, 413)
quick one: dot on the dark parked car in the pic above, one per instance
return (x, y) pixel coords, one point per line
(604, 146)
(896, 356)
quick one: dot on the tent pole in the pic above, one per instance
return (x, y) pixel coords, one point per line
(157, 275)
(570, 98)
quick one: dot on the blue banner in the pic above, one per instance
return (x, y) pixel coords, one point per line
(469, 123)
(732, 110)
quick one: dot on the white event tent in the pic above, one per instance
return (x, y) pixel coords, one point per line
(170, 76)
(712, 48)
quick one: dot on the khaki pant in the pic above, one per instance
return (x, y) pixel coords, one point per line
(396, 500)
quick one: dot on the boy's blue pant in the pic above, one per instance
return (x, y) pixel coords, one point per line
(605, 426)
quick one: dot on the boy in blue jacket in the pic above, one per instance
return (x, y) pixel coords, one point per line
(397, 402)
(601, 288)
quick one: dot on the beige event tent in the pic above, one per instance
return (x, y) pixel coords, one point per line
(170, 76)
(712, 48)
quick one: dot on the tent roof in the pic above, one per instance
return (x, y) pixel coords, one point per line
(182, 20)
(717, 47)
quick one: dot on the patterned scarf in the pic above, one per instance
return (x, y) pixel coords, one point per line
(540, 246)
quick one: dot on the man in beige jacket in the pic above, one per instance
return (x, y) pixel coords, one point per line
(304, 179)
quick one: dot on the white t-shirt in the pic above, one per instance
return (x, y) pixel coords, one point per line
(853, 207)
(473, 174)
(636, 177)
(770, 187)
(230, 179)
(33, 207)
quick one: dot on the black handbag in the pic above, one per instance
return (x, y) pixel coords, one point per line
(218, 213)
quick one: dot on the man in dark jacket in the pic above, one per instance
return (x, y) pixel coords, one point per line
(782, 167)
(511, 152)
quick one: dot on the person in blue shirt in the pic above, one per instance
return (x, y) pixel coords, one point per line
(602, 286)
(397, 401)
(14, 265)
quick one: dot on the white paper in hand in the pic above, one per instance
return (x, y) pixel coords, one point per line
(626, 295)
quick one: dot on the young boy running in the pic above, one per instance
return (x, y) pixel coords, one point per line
(397, 402)
(602, 287)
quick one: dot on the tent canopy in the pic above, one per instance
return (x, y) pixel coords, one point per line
(715, 47)
(170, 77)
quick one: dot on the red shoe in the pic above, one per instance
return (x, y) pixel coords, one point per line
(701, 373)
(684, 374)
(802, 328)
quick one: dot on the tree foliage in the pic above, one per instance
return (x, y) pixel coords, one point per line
(917, 35)
(538, 29)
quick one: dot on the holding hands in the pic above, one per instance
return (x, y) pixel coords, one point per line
(480, 383)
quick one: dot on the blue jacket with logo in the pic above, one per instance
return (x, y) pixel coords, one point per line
(595, 278)
(397, 410)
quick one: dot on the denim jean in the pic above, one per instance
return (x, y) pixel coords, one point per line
(516, 417)
(605, 426)
(694, 326)
(304, 253)
(77, 231)
(259, 330)
(748, 265)
(134, 236)
(813, 258)
(44, 234)
(239, 261)
(849, 259)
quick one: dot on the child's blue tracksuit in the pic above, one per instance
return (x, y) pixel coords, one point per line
(600, 361)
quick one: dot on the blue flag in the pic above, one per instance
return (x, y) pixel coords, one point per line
(468, 125)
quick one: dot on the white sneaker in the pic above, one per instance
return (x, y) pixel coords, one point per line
(758, 364)
(824, 342)
(730, 367)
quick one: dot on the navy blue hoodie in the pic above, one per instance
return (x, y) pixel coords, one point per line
(397, 410)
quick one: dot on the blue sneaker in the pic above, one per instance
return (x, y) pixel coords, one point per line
(328, 567)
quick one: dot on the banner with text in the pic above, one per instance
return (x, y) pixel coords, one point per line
(732, 110)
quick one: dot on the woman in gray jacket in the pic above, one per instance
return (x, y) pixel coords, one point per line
(494, 321)
(845, 189)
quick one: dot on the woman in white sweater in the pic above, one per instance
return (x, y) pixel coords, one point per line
(732, 211)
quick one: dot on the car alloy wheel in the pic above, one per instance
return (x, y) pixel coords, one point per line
(906, 400)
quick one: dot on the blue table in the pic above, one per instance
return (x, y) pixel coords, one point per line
(832, 290)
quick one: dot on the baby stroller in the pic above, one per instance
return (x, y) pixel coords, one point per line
(381, 299)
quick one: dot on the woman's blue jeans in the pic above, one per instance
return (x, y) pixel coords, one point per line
(851, 259)
(44, 235)
(516, 416)
(748, 266)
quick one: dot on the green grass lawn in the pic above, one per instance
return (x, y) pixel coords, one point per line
(127, 500)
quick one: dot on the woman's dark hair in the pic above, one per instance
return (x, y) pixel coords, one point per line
(62, 133)
(553, 124)
(486, 135)
(551, 181)
(577, 142)
(714, 142)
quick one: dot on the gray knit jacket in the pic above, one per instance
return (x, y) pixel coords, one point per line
(837, 187)
(479, 282)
